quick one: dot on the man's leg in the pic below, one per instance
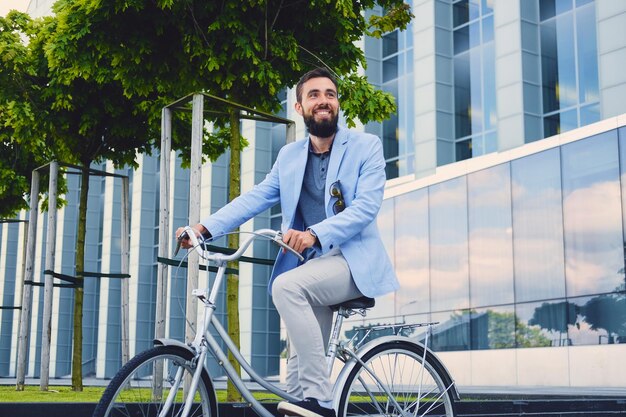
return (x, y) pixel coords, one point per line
(297, 295)
(324, 317)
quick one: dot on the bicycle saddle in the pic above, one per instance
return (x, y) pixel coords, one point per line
(357, 303)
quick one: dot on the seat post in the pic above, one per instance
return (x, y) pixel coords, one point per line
(333, 343)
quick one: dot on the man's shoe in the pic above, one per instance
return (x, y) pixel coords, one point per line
(309, 407)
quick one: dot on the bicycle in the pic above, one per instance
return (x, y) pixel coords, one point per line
(394, 375)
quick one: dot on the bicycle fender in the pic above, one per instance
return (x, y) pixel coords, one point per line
(172, 342)
(363, 350)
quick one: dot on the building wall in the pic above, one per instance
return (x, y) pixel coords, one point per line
(519, 256)
(452, 252)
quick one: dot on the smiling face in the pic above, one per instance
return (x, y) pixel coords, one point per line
(319, 107)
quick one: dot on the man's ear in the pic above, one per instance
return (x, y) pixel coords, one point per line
(298, 108)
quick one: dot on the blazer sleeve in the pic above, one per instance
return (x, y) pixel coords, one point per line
(261, 197)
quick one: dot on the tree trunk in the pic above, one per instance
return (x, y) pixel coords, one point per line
(77, 353)
(232, 282)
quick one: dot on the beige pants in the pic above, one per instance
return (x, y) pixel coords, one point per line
(302, 297)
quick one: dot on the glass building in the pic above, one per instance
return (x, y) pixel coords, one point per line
(504, 212)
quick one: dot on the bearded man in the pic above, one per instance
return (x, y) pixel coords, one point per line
(330, 187)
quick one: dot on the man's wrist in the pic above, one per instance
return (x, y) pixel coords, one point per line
(312, 233)
(203, 231)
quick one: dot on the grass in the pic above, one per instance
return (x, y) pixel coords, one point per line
(56, 394)
(64, 394)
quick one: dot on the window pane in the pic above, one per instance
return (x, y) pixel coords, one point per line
(491, 142)
(390, 68)
(537, 227)
(461, 40)
(592, 217)
(551, 125)
(490, 238)
(492, 328)
(448, 245)
(392, 169)
(569, 121)
(476, 96)
(462, 96)
(589, 114)
(478, 145)
(558, 65)
(551, 8)
(489, 80)
(460, 13)
(452, 332)
(465, 11)
(385, 220)
(560, 122)
(390, 43)
(544, 324)
(412, 252)
(390, 137)
(587, 54)
(601, 320)
(464, 150)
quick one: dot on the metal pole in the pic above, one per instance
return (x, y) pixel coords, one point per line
(27, 292)
(49, 281)
(193, 271)
(291, 132)
(164, 221)
(164, 238)
(125, 248)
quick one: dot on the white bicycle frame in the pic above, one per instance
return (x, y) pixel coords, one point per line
(204, 341)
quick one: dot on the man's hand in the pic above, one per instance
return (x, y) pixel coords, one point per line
(299, 240)
(185, 242)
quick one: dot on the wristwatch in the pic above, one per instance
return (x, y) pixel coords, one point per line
(308, 229)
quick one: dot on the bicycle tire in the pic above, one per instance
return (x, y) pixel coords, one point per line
(418, 390)
(130, 392)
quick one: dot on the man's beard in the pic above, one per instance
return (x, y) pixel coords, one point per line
(322, 129)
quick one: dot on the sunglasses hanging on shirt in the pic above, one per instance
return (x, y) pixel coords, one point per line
(335, 192)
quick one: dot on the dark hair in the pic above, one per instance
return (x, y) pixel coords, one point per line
(316, 73)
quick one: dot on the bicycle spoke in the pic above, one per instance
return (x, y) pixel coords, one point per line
(395, 382)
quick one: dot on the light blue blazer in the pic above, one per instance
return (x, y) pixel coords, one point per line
(357, 161)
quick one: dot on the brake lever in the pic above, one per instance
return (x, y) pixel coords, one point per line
(182, 236)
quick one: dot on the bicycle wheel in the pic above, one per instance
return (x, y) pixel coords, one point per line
(142, 386)
(396, 381)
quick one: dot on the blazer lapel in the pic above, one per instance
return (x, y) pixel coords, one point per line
(299, 166)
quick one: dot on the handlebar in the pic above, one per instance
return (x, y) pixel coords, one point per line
(274, 235)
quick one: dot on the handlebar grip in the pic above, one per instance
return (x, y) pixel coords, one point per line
(190, 234)
(279, 239)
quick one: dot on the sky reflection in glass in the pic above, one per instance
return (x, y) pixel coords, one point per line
(592, 217)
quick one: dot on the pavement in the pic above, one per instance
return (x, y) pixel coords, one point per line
(471, 391)
(487, 401)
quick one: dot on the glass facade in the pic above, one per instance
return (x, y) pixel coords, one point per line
(397, 79)
(474, 78)
(569, 64)
(528, 253)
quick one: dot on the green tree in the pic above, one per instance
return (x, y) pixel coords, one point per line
(154, 51)
(20, 152)
(78, 121)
